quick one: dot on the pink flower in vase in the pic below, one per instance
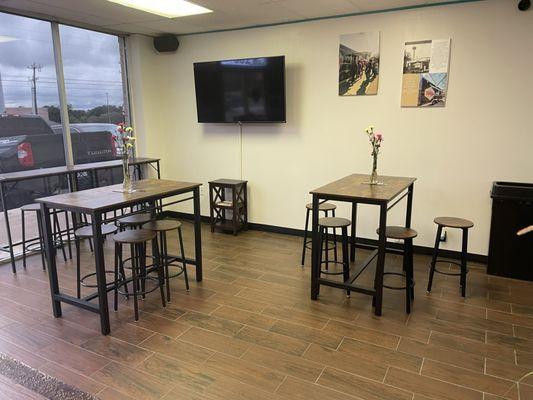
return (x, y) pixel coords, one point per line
(378, 136)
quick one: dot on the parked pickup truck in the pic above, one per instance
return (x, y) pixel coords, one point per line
(27, 142)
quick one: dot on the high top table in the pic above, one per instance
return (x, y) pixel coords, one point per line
(13, 178)
(96, 203)
(354, 189)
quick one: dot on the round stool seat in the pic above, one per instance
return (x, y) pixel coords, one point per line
(87, 231)
(31, 207)
(322, 206)
(452, 222)
(135, 236)
(162, 225)
(135, 219)
(334, 222)
(399, 232)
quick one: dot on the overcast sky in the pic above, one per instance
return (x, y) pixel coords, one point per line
(91, 63)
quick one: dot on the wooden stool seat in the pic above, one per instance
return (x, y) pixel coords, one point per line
(452, 222)
(135, 219)
(58, 233)
(399, 232)
(322, 206)
(140, 272)
(134, 236)
(406, 235)
(31, 207)
(162, 225)
(328, 209)
(87, 231)
(334, 222)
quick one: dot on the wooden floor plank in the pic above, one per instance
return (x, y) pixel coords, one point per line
(432, 388)
(249, 331)
(362, 388)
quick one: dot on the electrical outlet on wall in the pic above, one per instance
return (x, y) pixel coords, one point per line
(443, 235)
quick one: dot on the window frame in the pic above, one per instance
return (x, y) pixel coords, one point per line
(60, 77)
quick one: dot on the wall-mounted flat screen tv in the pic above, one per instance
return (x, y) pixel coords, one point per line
(244, 90)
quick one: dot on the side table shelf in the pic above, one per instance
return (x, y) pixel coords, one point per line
(228, 205)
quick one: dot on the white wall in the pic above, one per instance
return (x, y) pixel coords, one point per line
(483, 134)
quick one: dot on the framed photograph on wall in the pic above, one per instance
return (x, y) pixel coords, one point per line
(425, 73)
(359, 64)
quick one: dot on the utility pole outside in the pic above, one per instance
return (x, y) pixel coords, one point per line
(108, 116)
(34, 67)
(2, 101)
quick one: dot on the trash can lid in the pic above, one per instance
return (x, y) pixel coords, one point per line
(512, 191)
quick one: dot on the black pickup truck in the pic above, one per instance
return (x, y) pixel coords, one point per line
(27, 142)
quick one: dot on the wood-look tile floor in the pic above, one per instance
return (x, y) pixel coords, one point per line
(250, 331)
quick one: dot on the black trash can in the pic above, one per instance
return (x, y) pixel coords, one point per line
(512, 209)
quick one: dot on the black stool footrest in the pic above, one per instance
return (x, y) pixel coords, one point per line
(179, 267)
(398, 287)
(450, 262)
(331, 273)
(111, 284)
(128, 260)
(147, 277)
(331, 245)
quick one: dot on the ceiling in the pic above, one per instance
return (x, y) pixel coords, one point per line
(227, 14)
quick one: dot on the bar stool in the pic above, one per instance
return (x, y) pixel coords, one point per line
(58, 237)
(325, 208)
(162, 227)
(406, 235)
(86, 232)
(134, 221)
(137, 240)
(456, 223)
(334, 223)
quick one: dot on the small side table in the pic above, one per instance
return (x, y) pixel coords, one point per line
(228, 195)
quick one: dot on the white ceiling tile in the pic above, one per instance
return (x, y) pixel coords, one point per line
(176, 26)
(227, 14)
(314, 9)
(373, 5)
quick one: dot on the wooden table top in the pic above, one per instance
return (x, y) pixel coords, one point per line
(44, 172)
(353, 187)
(107, 198)
(228, 182)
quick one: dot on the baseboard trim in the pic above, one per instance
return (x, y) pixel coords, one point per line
(363, 243)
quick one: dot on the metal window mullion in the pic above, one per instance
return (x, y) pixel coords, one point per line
(63, 104)
(125, 79)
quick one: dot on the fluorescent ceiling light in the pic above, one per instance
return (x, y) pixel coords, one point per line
(165, 8)
(4, 39)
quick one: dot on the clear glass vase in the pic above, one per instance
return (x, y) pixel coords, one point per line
(374, 174)
(127, 182)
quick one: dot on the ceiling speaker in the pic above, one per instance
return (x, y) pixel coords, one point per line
(166, 43)
(524, 5)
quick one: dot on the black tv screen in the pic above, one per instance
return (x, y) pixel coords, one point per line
(244, 90)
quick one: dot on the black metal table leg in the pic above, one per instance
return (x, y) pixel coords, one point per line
(353, 232)
(100, 273)
(8, 228)
(315, 252)
(305, 235)
(378, 282)
(48, 238)
(197, 234)
(464, 255)
(409, 207)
